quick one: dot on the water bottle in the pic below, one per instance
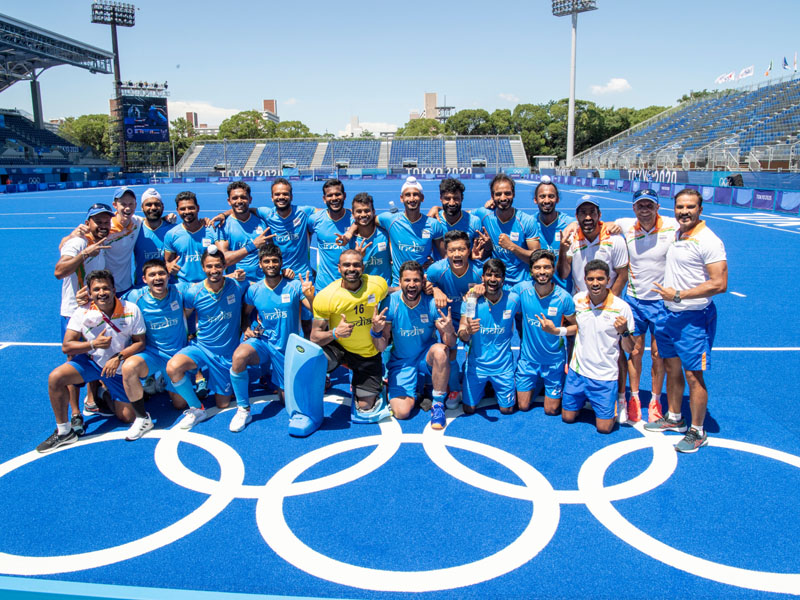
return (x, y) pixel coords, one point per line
(469, 307)
(392, 207)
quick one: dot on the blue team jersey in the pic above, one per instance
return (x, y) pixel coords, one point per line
(441, 275)
(166, 327)
(328, 251)
(490, 348)
(413, 329)
(550, 239)
(237, 233)
(377, 257)
(189, 247)
(520, 228)
(149, 245)
(409, 241)
(291, 235)
(537, 346)
(468, 223)
(278, 311)
(218, 315)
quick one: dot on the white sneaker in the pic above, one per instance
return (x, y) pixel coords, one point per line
(240, 419)
(622, 411)
(453, 400)
(140, 426)
(192, 418)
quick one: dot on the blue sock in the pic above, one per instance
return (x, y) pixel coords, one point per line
(241, 388)
(455, 377)
(439, 396)
(185, 390)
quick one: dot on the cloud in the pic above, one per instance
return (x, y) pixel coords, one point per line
(614, 85)
(206, 113)
(375, 128)
(509, 98)
(290, 101)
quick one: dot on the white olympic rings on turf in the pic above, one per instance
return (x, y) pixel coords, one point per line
(535, 488)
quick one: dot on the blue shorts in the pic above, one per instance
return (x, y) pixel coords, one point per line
(267, 357)
(155, 363)
(646, 314)
(531, 375)
(90, 371)
(403, 374)
(502, 382)
(689, 335)
(601, 394)
(219, 377)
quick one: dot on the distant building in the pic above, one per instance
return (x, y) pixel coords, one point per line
(270, 111)
(192, 118)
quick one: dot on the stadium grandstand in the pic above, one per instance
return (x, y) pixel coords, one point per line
(25, 52)
(752, 128)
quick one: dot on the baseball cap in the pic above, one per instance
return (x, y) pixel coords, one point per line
(99, 208)
(645, 194)
(586, 199)
(151, 193)
(122, 191)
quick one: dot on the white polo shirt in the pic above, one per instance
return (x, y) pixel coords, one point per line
(687, 258)
(605, 247)
(124, 322)
(74, 282)
(119, 256)
(647, 254)
(597, 343)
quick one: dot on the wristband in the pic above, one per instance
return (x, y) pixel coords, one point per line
(626, 334)
(91, 344)
(250, 247)
(333, 333)
(562, 332)
(377, 335)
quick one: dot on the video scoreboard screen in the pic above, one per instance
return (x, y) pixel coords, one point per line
(145, 119)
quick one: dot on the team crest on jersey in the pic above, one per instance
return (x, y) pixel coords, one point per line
(506, 314)
(297, 222)
(259, 230)
(514, 236)
(285, 298)
(174, 305)
(552, 311)
(426, 234)
(231, 298)
(381, 246)
(371, 299)
(423, 318)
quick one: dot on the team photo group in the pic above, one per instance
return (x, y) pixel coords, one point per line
(542, 302)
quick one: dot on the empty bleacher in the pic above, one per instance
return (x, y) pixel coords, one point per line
(495, 151)
(356, 153)
(427, 152)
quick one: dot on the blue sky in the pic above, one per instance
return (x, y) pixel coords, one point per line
(325, 62)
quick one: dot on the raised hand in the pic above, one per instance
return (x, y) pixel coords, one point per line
(546, 324)
(261, 240)
(444, 321)
(94, 249)
(621, 324)
(505, 242)
(102, 341)
(361, 247)
(440, 299)
(665, 292)
(307, 286)
(172, 265)
(344, 329)
(379, 319)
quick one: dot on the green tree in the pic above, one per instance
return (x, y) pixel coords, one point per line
(248, 124)
(501, 122)
(93, 131)
(182, 134)
(366, 133)
(420, 127)
(692, 94)
(292, 129)
(470, 122)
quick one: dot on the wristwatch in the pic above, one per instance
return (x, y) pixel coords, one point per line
(677, 297)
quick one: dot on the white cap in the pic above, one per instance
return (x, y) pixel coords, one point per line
(544, 179)
(150, 193)
(412, 183)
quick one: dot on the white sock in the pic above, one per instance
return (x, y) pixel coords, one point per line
(698, 428)
(634, 394)
(673, 416)
(63, 428)
(621, 397)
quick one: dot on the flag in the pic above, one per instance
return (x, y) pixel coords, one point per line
(769, 68)
(747, 72)
(785, 64)
(795, 62)
(721, 79)
(730, 76)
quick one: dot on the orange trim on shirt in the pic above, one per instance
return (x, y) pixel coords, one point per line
(603, 235)
(693, 231)
(657, 228)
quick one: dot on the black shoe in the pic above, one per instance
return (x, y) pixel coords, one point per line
(77, 424)
(56, 441)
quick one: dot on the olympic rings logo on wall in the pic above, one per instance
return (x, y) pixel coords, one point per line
(535, 488)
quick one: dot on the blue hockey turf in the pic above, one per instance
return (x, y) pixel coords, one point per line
(495, 506)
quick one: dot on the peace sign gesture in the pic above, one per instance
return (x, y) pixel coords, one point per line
(546, 324)
(379, 319)
(444, 321)
(480, 244)
(361, 247)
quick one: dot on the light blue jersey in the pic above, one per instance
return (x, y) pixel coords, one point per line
(278, 311)
(539, 347)
(149, 245)
(413, 329)
(237, 233)
(441, 275)
(468, 223)
(189, 247)
(519, 228)
(550, 239)
(490, 348)
(378, 256)
(409, 241)
(166, 327)
(291, 235)
(218, 315)
(328, 251)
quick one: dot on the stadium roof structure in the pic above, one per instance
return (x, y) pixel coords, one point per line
(26, 49)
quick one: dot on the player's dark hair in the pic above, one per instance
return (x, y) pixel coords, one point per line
(596, 265)
(333, 183)
(216, 253)
(153, 262)
(690, 192)
(412, 265)
(543, 183)
(281, 181)
(100, 275)
(238, 185)
(542, 253)
(455, 235)
(451, 185)
(365, 199)
(270, 249)
(495, 265)
(186, 196)
(500, 178)
(351, 251)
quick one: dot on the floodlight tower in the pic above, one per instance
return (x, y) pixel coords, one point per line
(562, 8)
(124, 15)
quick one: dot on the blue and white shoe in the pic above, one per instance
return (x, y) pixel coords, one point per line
(438, 419)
